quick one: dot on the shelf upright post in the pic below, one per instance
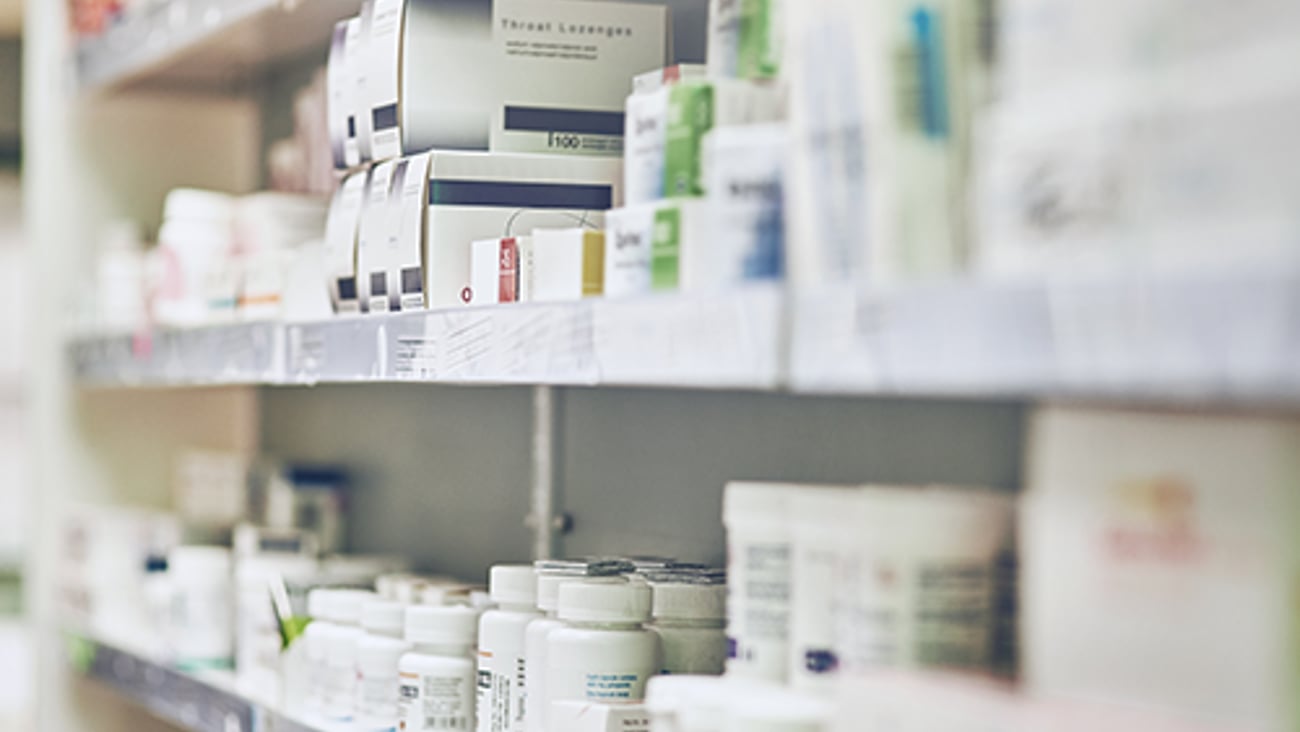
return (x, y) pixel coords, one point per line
(545, 518)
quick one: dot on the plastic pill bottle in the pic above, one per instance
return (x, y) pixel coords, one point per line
(757, 520)
(437, 676)
(501, 661)
(202, 617)
(316, 639)
(378, 651)
(603, 654)
(690, 620)
(339, 689)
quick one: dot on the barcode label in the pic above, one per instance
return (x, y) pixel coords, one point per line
(446, 722)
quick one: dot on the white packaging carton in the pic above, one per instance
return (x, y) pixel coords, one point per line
(681, 255)
(473, 196)
(655, 80)
(405, 270)
(339, 81)
(565, 67)
(1160, 562)
(745, 177)
(494, 271)
(341, 229)
(629, 235)
(377, 224)
(567, 264)
(361, 72)
(724, 38)
(644, 137)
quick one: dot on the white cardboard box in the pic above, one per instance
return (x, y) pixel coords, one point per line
(494, 271)
(341, 229)
(745, 178)
(629, 235)
(377, 224)
(473, 196)
(405, 272)
(566, 66)
(1160, 562)
(567, 264)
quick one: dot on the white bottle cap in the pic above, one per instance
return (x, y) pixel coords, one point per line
(513, 584)
(682, 601)
(318, 603)
(605, 602)
(346, 605)
(383, 617)
(548, 587)
(452, 625)
(198, 560)
(198, 205)
(755, 501)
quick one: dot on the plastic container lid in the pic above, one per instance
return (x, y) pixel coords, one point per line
(198, 205)
(513, 584)
(548, 587)
(383, 617)
(685, 601)
(346, 605)
(199, 560)
(453, 626)
(318, 603)
(756, 501)
(605, 602)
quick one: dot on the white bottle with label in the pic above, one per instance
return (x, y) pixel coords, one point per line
(202, 614)
(758, 579)
(603, 654)
(437, 677)
(501, 663)
(339, 690)
(378, 653)
(689, 619)
(316, 638)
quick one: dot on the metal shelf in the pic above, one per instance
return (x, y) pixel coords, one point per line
(213, 44)
(1201, 338)
(724, 340)
(199, 703)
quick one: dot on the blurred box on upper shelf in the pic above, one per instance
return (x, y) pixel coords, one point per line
(1160, 562)
(494, 270)
(568, 264)
(881, 100)
(501, 75)
(1186, 167)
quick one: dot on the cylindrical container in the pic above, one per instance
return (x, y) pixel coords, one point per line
(316, 640)
(340, 686)
(603, 654)
(202, 613)
(437, 677)
(257, 633)
(690, 620)
(378, 652)
(818, 513)
(195, 240)
(756, 516)
(762, 709)
(501, 661)
(548, 601)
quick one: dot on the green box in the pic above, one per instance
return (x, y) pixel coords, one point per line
(759, 48)
(690, 117)
(666, 248)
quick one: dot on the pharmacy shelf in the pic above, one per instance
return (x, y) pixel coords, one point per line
(207, 702)
(1203, 337)
(206, 43)
(727, 340)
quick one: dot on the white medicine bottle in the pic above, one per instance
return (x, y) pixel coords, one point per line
(690, 619)
(437, 677)
(378, 652)
(603, 654)
(339, 690)
(501, 662)
(315, 637)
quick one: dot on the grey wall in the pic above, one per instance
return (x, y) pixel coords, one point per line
(443, 472)
(11, 108)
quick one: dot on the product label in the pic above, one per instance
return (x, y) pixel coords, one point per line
(615, 686)
(372, 240)
(748, 206)
(643, 165)
(627, 250)
(760, 40)
(406, 273)
(593, 263)
(382, 80)
(500, 693)
(431, 702)
(377, 699)
(758, 610)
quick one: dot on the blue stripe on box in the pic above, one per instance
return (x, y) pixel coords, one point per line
(578, 121)
(503, 194)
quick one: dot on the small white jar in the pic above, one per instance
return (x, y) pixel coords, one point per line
(690, 620)
(202, 618)
(501, 662)
(340, 675)
(437, 677)
(603, 654)
(378, 652)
